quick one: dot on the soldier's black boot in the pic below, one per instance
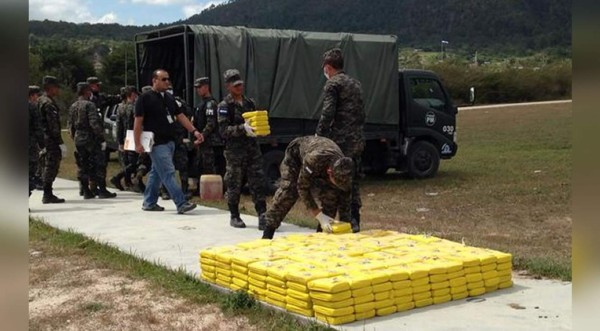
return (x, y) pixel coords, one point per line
(80, 187)
(268, 233)
(116, 181)
(235, 220)
(355, 218)
(261, 209)
(185, 188)
(85, 188)
(103, 193)
(93, 187)
(49, 197)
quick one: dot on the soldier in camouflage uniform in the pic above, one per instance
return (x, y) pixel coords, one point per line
(85, 127)
(182, 147)
(242, 152)
(144, 162)
(205, 119)
(101, 101)
(342, 120)
(129, 159)
(312, 163)
(55, 147)
(36, 136)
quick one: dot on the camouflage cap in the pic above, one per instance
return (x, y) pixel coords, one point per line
(201, 81)
(50, 81)
(82, 87)
(233, 77)
(34, 89)
(146, 88)
(342, 173)
(93, 80)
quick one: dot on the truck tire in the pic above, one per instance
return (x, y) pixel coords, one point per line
(423, 160)
(271, 161)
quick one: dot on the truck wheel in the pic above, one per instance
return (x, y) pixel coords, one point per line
(271, 162)
(423, 160)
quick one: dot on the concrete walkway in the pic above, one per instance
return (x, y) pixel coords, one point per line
(175, 240)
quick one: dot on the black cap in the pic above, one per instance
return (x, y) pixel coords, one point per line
(34, 89)
(233, 77)
(201, 81)
(342, 173)
(50, 81)
(82, 87)
(93, 80)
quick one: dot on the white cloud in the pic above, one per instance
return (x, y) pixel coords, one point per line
(193, 9)
(108, 18)
(161, 2)
(65, 10)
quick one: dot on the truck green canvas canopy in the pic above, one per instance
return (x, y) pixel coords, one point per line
(282, 69)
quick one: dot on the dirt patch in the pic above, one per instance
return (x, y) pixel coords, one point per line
(70, 293)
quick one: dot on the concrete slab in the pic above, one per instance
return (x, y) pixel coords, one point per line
(175, 240)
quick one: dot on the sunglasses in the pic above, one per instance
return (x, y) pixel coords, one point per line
(165, 79)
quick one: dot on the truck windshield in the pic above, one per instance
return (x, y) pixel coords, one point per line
(428, 93)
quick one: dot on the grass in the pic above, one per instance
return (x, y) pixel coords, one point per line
(508, 188)
(178, 283)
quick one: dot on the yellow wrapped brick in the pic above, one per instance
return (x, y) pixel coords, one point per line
(458, 289)
(333, 312)
(365, 315)
(298, 303)
(438, 278)
(504, 266)
(209, 253)
(456, 274)
(261, 267)
(472, 278)
(331, 296)
(490, 289)
(366, 298)
(331, 285)
(250, 114)
(298, 295)
(405, 306)
(275, 296)
(476, 292)
(210, 279)
(505, 272)
(254, 244)
(259, 121)
(403, 292)
(402, 284)
(299, 310)
(472, 286)
(364, 307)
(403, 299)
(334, 304)
(274, 302)
(441, 292)
(421, 296)
(205, 262)
(420, 282)
(383, 295)
(383, 287)
(490, 274)
(303, 277)
(242, 284)
(239, 268)
(424, 302)
(335, 320)
(503, 279)
(386, 311)
(208, 268)
(421, 289)
(442, 299)
(274, 282)
(256, 290)
(239, 275)
(277, 289)
(256, 276)
(223, 265)
(341, 227)
(460, 296)
(472, 270)
(456, 282)
(506, 284)
(362, 291)
(296, 286)
(488, 267)
(223, 283)
(398, 274)
(491, 282)
(384, 303)
(223, 278)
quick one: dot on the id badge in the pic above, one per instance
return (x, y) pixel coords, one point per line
(170, 119)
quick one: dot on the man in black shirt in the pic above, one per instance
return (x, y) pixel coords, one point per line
(156, 111)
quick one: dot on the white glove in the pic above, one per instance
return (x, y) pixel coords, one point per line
(325, 222)
(249, 130)
(63, 150)
(103, 145)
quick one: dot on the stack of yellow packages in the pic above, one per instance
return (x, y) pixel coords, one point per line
(259, 121)
(332, 299)
(213, 269)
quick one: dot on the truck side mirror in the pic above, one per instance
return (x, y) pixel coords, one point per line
(472, 95)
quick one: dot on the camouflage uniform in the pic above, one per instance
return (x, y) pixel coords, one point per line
(85, 127)
(242, 154)
(129, 159)
(50, 120)
(182, 146)
(342, 121)
(102, 101)
(205, 120)
(304, 169)
(36, 143)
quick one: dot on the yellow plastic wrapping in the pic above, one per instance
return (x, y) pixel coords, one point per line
(441, 292)
(251, 114)
(240, 283)
(335, 320)
(223, 283)
(458, 289)
(274, 281)
(208, 268)
(475, 285)
(239, 275)
(362, 291)
(277, 289)
(330, 285)
(438, 278)
(299, 310)
(420, 282)
(239, 268)
(224, 278)
(223, 265)
(387, 286)
(333, 312)
(477, 291)
(324, 296)
(298, 295)
(384, 303)
(506, 284)
(297, 286)
(505, 272)
(256, 290)
(205, 261)
(364, 307)
(460, 296)
(387, 311)
(256, 276)
(441, 299)
(403, 292)
(402, 284)
(334, 304)
(298, 303)
(460, 281)
(403, 299)
(488, 267)
(365, 315)
(424, 302)
(276, 303)
(472, 278)
(489, 275)
(422, 288)
(421, 296)
(456, 274)
(472, 270)
(406, 306)
(383, 295)
(341, 227)
(303, 277)
(491, 282)
(503, 279)
(366, 298)
(504, 266)
(275, 296)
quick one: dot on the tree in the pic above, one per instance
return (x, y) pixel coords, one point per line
(113, 71)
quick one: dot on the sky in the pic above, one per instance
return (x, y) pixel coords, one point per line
(126, 12)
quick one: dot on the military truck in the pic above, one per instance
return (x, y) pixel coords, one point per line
(411, 120)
